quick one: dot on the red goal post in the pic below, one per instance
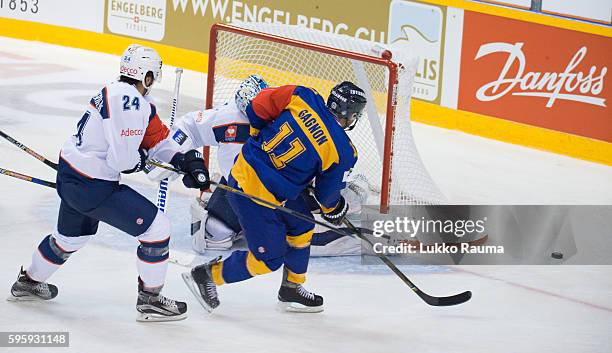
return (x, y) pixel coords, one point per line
(285, 58)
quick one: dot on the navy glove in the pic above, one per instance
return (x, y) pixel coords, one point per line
(196, 174)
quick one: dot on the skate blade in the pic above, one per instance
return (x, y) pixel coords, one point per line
(299, 308)
(193, 288)
(25, 298)
(143, 317)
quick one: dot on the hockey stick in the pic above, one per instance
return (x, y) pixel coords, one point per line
(28, 150)
(431, 300)
(257, 199)
(27, 178)
(177, 257)
(162, 190)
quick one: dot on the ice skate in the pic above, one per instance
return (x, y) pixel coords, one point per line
(27, 289)
(200, 283)
(152, 307)
(293, 297)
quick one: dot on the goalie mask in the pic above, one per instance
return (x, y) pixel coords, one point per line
(248, 90)
(347, 101)
(137, 61)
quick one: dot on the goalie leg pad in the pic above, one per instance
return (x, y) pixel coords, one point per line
(218, 206)
(217, 234)
(208, 231)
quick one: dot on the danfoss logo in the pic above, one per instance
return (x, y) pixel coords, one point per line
(570, 85)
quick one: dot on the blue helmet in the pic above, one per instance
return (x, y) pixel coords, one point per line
(248, 89)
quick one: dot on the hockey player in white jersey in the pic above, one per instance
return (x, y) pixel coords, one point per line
(118, 130)
(227, 128)
(214, 223)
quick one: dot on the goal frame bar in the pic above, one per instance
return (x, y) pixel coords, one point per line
(384, 60)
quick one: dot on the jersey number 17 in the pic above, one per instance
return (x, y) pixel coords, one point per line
(281, 159)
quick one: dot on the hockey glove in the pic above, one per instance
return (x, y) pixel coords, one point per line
(140, 165)
(336, 216)
(192, 164)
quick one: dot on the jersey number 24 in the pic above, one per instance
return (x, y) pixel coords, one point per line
(126, 103)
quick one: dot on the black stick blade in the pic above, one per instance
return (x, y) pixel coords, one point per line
(446, 301)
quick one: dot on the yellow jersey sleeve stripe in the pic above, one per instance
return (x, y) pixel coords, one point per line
(327, 209)
(250, 183)
(295, 277)
(300, 241)
(217, 273)
(256, 267)
(314, 128)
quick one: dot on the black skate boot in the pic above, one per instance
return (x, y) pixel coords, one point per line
(200, 283)
(293, 297)
(27, 289)
(152, 306)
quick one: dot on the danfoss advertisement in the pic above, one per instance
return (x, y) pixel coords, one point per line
(535, 74)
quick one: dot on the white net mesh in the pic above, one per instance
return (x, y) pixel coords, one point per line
(238, 55)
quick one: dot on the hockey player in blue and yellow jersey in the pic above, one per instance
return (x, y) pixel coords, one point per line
(297, 139)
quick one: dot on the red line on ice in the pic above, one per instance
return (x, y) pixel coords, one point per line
(537, 290)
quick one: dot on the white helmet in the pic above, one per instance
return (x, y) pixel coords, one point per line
(138, 60)
(248, 89)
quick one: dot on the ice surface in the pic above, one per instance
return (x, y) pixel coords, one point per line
(514, 309)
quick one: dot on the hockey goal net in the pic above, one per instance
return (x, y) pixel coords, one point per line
(388, 159)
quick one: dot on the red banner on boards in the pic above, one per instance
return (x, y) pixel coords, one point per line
(535, 74)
